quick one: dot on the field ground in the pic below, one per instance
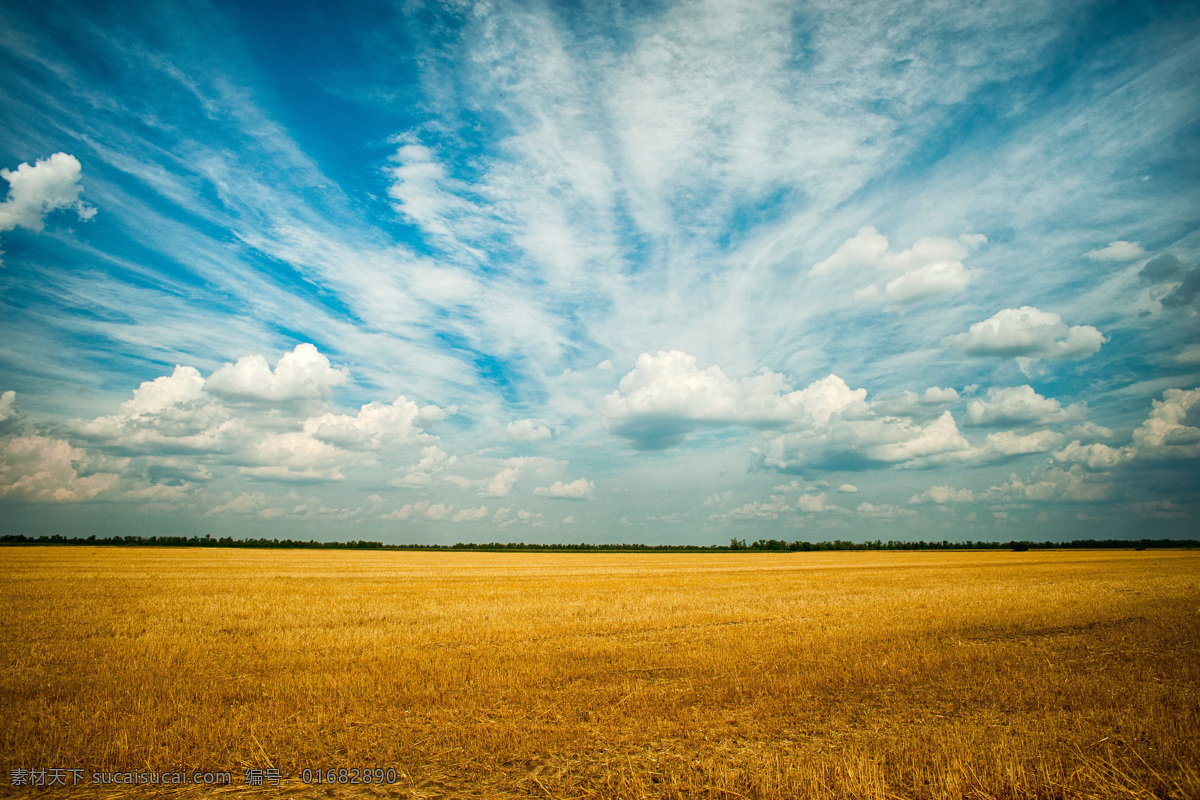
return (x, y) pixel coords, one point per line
(868, 675)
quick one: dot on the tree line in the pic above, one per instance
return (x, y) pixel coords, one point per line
(735, 545)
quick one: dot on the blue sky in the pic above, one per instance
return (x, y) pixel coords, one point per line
(656, 272)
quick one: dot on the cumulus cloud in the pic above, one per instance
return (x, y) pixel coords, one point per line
(260, 505)
(827, 424)
(47, 470)
(432, 512)
(1019, 405)
(932, 267)
(1117, 251)
(1054, 485)
(470, 514)
(256, 504)
(815, 504)
(1027, 332)
(501, 483)
(943, 494)
(11, 417)
(1089, 431)
(581, 489)
(171, 414)
(182, 427)
(433, 460)
(511, 470)
(997, 446)
(1094, 456)
(756, 510)
(934, 395)
(666, 396)
(375, 425)
(49, 185)
(860, 443)
(849, 488)
(504, 517)
(865, 250)
(1171, 430)
(303, 374)
(525, 430)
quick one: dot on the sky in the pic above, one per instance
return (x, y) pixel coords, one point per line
(671, 273)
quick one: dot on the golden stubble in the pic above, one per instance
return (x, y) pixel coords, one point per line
(865, 675)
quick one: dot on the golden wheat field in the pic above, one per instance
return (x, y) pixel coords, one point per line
(736, 675)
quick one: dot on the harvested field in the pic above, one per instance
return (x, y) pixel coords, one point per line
(843, 675)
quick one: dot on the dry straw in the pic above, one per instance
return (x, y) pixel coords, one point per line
(790, 675)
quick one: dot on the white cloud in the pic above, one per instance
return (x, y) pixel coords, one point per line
(1019, 405)
(433, 460)
(1027, 332)
(47, 470)
(1165, 434)
(1094, 456)
(576, 490)
(375, 425)
(525, 430)
(178, 429)
(815, 504)
(757, 510)
(33, 192)
(940, 436)
(1117, 251)
(865, 250)
(470, 514)
(1089, 431)
(502, 482)
(427, 196)
(302, 374)
(883, 511)
(666, 396)
(934, 280)
(10, 416)
(428, 510)
(934, 395)
(849, 488)
(255, 504)
(504, 517)
(943, 494)
(511, 470)
(1053, 485)
(1010, 443)
(181, 387)
(296, 456)
(932, 267)
(863, 441)
(260, 505)
(568, 521)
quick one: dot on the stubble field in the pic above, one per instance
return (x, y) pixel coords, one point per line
(839, 675)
